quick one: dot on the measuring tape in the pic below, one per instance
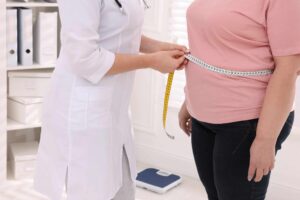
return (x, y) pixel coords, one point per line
(209, 67)
(166, 102)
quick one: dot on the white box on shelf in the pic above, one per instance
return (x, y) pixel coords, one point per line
(32, 83)
(25, 110)
(45, 38)
(23, 159)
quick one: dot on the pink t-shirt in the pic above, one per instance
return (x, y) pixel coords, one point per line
(240, 35)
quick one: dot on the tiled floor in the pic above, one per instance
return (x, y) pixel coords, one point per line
(190, 190)
(21, 190)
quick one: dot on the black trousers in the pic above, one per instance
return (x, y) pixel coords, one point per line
(222, 155)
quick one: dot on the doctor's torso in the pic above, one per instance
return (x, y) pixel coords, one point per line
(119, 29)
(119, 32)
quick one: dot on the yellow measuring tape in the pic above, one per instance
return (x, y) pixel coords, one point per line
(166, 102)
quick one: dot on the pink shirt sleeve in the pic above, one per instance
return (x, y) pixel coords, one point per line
(283, 26)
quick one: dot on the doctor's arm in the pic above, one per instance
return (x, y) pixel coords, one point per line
(160, 56)
(163, 61)
(277, 105)
(149, 45)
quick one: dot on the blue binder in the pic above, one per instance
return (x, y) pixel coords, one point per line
(157, 181)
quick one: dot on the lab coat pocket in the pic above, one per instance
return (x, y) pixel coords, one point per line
(78, 109)
(99, 108)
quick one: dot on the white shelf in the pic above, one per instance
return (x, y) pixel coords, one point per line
(36, 4)
(29, 67)
(7, 125)
(13, 125)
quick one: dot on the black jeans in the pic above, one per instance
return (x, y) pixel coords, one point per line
(222, 154)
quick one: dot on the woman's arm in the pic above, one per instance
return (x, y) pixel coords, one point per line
(185, 119)
(279, 97)
(149, 45)
(276, 108)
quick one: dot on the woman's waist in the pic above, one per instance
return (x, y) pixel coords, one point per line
(222, 116)
(236, 60)
(215, 99)
(245, 121)
(229, 70)
(198, 77)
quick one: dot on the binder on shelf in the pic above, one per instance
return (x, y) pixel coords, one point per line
(45, 40)
(25, 38)
(12, 37)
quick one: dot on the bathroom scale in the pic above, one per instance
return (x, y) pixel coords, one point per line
(157, 181)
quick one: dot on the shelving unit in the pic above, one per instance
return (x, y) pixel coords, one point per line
(8, 126)
(3, 101)
(13, 125)
(28, 67)
(36, 4)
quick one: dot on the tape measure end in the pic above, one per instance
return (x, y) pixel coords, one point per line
(172, 137)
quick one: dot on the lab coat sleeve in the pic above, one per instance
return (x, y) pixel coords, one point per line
(80, 39)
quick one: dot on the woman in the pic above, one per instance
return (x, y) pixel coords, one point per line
(238, 123)
(86, 138)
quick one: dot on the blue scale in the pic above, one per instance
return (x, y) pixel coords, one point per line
(157, 181)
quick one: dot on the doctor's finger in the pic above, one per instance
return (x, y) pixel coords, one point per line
(180, 61)
(176, 53)
(184, 64)
(181, 48)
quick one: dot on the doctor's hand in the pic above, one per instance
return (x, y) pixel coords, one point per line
(185, 120)
(165, 46)
(167, 61)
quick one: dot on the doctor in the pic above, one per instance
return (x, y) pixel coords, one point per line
(86, 141)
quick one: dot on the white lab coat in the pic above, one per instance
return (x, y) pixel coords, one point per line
(86, 122)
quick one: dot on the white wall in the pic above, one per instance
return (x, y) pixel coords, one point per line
(152, 144)
(156, 149)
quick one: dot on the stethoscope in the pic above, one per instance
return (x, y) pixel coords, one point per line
(147, 6)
